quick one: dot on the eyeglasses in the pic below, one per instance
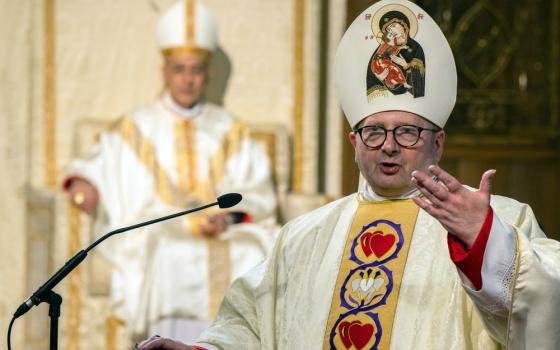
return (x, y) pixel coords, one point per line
(373, 136)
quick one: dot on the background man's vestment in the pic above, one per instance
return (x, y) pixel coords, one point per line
(154, 163)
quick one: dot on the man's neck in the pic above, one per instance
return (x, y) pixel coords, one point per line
(178, 110)
(368, 193)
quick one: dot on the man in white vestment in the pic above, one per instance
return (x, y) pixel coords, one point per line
(178, 153)
(415, 259)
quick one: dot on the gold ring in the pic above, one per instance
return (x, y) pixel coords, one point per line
(79, 198)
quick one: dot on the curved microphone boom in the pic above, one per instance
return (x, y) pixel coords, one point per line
(227, 200)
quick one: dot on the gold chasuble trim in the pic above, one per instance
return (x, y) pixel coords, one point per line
(218, 250)
(145, 151)
(219, 273)
(190, 21)
(236, 135)
(219, 269)
(49, 94)
(369, 279)
(186, 157)
(75, 299)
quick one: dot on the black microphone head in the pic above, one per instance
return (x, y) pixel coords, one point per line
(228, 200)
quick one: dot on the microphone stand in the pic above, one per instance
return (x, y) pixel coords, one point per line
(54, 300)
(45, 293)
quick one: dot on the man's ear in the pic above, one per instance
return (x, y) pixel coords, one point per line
(439, 142)
(352, 136)
(163, 71)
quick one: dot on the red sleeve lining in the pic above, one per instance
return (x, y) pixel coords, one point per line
(470, 261)
(68, 181)
(247, 218)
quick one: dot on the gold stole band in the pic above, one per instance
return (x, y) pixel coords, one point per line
(370, 274)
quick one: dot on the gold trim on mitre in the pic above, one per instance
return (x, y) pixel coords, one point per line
(187, 28)
(190, 21)
(175, 52)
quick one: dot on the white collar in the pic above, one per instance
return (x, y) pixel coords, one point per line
(182, 112)
(367, 193)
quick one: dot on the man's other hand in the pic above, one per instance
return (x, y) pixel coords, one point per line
(215, 225)
(83, 195)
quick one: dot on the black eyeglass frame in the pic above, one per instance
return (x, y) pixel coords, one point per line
(419, 128)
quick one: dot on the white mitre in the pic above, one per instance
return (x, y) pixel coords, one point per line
(187, 28)
(395, 57)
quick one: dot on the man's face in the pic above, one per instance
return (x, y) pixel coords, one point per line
(388, 168)
(185, 78)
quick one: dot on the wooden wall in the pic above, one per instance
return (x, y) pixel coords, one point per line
(527, 171)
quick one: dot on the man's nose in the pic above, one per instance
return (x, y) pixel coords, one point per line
(390, 145)
(187, 76)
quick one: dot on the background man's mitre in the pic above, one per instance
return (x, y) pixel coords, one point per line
(187, 27)
(395, 57)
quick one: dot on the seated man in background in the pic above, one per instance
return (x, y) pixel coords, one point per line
(415, 259)
(177, 153)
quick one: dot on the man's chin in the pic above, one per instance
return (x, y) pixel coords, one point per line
(186, 103)
(391, 188)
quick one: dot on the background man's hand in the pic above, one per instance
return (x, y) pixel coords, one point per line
(459, 210)
(158, 343)
(83, 195)
(215, 225)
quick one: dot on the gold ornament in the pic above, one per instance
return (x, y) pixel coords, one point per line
(79, 198)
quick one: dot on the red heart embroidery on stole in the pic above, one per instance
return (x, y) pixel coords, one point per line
(360, 335)
(376, 242)
(355, 334)
(343, 330)
(365, 241)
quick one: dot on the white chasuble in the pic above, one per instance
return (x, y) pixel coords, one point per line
(288, 301)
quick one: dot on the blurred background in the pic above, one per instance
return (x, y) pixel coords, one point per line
(69, 66)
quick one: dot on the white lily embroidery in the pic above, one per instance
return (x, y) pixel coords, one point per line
(366, 286)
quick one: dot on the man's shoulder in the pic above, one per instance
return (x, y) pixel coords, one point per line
(146, 112)
(220, 122)
(149, 118)
(322, 215)
(211, 110)
(508, 209)
(319, 225)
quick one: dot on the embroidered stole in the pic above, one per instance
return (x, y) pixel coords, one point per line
(370, 274)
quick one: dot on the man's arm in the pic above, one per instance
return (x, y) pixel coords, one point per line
(520, 273)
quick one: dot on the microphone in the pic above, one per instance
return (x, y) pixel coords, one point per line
(227, 200)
